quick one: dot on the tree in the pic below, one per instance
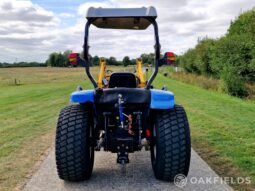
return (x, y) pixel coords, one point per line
(56, 60)
(95, 61)
(133, 61)
(112, 61)
(234, 51)
(244, 24)
(60, 60)
(126, 61)
(148, 59)
(52, 59)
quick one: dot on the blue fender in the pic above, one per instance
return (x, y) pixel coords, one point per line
(161, 99)
(82, 96)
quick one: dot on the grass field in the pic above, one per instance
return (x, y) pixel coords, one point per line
(222, 127)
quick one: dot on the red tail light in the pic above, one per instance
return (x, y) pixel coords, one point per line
(148, 133)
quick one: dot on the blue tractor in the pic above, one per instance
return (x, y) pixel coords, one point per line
(123, 113)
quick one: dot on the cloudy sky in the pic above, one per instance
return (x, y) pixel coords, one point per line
(31, 29)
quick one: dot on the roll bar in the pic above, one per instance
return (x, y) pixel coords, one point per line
(156, 47)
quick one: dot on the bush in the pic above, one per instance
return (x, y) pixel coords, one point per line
(233, 51)
(232, 83)
(244, 24)
(203, 51)
(230, 58)
(188, 61)
(197, 60)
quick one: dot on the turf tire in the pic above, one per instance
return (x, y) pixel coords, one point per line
(171, 147)
(73, 148)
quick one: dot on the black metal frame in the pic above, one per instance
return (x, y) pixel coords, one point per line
(156, 47)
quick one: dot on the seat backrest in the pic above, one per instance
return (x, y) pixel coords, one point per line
(122, 79)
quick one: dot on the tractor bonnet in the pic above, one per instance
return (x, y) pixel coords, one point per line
(121, 18)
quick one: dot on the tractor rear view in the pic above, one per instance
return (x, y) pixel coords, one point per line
(123, 113)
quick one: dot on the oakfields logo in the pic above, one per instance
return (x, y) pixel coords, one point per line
(181, 180)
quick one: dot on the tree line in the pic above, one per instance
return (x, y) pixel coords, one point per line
(230, 58)
(22, 64)
(60, 59)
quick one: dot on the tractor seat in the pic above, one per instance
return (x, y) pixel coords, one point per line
(123, 80)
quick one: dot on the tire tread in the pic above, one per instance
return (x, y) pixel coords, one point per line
(173, 144)
(73, 160)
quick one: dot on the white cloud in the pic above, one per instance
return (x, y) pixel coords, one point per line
(66, 15)
(82, 10)
(30, 32)
(23, 27)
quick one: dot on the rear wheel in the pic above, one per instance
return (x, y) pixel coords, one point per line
(170, 148)
(74, 143)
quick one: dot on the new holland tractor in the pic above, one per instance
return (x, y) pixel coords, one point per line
(123, 113)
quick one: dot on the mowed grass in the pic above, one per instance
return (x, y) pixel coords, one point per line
(222, 127)
(28, 114)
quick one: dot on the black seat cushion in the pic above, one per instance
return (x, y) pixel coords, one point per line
(122, 79)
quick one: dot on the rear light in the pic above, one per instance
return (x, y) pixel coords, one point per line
(148, 133)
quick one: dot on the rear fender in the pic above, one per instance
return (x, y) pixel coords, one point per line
(82, 96)
(161, 99)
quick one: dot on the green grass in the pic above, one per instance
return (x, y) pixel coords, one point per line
(28, 114)
(222, 127)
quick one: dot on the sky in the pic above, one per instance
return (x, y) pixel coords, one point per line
(31, 29)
